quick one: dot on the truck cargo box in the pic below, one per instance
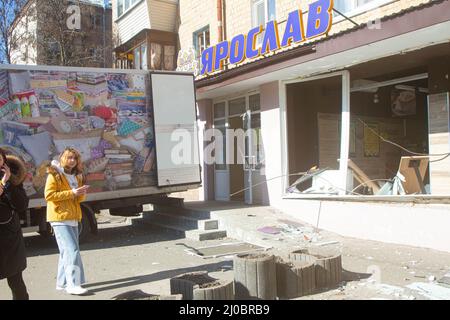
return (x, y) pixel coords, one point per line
(122, 122)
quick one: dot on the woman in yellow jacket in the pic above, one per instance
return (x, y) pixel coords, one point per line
(64, 190)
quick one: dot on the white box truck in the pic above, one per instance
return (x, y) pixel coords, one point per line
(127, 124)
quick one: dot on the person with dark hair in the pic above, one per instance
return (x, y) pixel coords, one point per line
(13, 202)
(64, 190)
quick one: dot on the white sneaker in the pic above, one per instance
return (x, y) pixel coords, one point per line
(60, 288)
(78, 291)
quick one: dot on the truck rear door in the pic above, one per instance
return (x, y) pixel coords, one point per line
(176, 130)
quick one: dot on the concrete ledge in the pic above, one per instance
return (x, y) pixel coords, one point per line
(410, 224)
(408, 199)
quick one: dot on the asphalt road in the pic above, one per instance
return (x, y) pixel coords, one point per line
(126, 256)
(121, 258)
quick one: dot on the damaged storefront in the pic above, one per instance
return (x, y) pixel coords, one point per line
(352, 127)
(383, 126)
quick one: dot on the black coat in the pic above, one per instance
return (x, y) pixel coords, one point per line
(13, 201)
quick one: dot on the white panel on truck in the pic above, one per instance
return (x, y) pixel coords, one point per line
(176, 134)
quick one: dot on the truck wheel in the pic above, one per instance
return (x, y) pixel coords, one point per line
(47, 232)
(84, 228)
(88, 224)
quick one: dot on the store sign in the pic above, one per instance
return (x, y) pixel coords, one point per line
(241, 47)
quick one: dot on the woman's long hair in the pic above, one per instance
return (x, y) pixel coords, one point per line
(3, 155)
(78, 169)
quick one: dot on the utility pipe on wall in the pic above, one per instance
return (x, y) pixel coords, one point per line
(219, 21)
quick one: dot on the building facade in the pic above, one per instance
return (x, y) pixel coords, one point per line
(349, 122)
(145, 34)
(75, 33)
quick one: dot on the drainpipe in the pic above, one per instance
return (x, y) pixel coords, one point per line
(219, 21)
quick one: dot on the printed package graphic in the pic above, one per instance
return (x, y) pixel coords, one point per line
(107, 117)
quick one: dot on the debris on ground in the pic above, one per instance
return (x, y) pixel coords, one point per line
(270, 230)
(431, 291)
(326, 243)
(445, 280)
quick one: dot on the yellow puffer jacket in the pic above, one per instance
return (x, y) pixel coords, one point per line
(62, 204)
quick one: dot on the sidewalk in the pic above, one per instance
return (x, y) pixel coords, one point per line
(373, 270)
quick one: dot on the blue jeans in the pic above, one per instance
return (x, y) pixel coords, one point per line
(70, 266)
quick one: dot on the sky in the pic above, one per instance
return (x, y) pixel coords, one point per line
(10, 20)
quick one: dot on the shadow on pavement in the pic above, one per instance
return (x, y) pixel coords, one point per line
(157, 276)
(113, 237)
(348, 276)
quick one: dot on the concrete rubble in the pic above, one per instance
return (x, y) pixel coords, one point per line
(126, 257)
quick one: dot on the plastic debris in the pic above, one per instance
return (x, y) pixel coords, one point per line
(327, 243)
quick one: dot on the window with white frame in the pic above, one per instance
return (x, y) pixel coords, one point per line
(201, 41)
(238, 107)
(263, 11)
(124, 5)
(353, 7)
(220, 123)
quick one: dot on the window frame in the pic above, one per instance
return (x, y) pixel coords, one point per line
(254, 5)
(373, 5)
(125, 10)
(195, 40)
(260, 156)
(141, 56)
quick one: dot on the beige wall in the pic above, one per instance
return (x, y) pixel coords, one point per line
(163, 15)
(194, 15)
(271, 139)
(205, 111)
(238, 17)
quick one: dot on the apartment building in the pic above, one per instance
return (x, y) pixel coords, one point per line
(71, 33)
(145, 34)
(348, 102)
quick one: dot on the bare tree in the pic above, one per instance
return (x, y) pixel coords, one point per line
(59, 43)
(12, 30)
(55, 32)
(56, 42)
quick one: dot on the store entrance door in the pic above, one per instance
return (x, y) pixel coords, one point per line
(236, 167)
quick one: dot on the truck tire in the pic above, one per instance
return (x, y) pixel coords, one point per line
(84, 229)
(88, 224)
(46, 233)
